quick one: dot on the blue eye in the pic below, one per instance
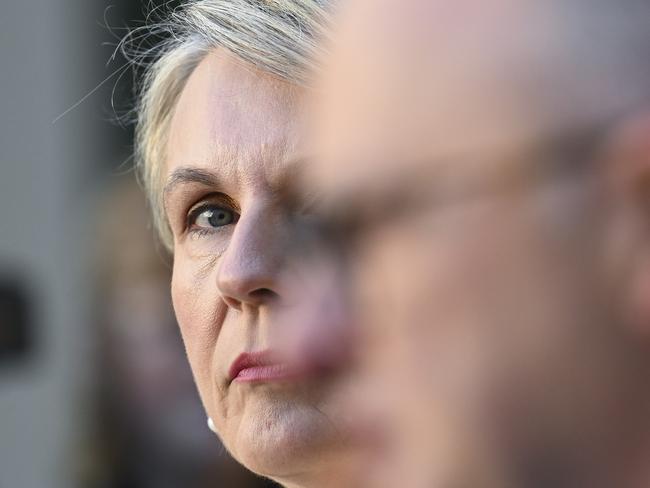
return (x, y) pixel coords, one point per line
(211, 217)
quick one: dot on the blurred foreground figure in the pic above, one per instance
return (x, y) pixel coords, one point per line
(486, 176)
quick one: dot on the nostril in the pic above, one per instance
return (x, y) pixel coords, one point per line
(256, 297)
(262, 295)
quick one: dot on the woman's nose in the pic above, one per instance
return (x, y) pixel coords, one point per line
(248, 271)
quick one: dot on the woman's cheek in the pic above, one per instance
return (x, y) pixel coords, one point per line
(199, 317)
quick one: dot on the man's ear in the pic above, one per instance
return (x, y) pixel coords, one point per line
(628, 168)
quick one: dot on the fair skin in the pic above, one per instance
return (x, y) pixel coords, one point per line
(234, 148)
(502, 311)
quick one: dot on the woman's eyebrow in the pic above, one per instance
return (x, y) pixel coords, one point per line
(187, 174)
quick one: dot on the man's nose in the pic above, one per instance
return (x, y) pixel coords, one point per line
(248, 271)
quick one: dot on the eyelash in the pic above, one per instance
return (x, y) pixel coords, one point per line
(201, 232)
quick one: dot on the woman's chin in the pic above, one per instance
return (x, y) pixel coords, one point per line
(283, 439)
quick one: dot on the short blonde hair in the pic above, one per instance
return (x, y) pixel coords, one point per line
(276, 36)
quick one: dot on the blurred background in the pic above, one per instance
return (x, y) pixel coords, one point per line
(95, 390)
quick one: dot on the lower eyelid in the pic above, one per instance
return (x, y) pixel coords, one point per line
(199, 232)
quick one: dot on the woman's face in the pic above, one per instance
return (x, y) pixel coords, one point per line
(234, 150)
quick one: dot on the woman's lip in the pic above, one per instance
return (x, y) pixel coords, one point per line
(273, 372)
(259, 367)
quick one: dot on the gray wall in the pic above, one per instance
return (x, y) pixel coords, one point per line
(50, 56)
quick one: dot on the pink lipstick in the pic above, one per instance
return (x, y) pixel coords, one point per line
(262, 366)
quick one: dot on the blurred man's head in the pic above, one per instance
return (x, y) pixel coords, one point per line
(486, 167)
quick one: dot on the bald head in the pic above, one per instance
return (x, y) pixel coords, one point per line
(427, 76)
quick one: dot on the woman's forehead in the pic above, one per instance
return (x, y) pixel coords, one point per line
(234, 119)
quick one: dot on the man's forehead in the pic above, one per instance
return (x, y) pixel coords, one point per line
(418, 82)
(360, 147)
(397, 91)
